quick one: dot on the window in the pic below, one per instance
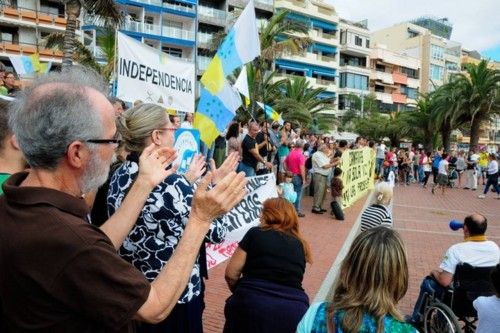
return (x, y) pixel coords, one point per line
(172, 24)
(52, 7)
(380, 68)
(358, 41)
(343, 36)
(174, 52)
(367, 43)
(410, 72)
(436, 72)
(437, 52)
(409, 92)
(353, 81)
(9, 35)
(149, 20)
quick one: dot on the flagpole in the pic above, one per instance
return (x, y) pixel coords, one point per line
(115, 67)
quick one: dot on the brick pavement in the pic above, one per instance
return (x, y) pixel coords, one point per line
(420, 217)
(325, 236)
(422, 220)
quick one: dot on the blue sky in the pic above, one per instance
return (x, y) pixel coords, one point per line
(476, 24)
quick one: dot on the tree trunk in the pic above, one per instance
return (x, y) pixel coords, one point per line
(445, 136)
(73, 9)
(475, 128)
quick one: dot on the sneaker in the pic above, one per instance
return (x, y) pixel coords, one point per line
(481, 196)
(466, 188)
(316, 211)
(301, 215)
(323, 210)
(474, 189)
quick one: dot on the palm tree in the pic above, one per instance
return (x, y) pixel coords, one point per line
(301, 102)
(478, 97)
(107, 10)
(420, 124)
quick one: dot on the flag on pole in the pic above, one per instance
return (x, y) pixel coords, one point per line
(241, 83)
(240, 46)
(271, 113)
(218, 100)
(215, 112)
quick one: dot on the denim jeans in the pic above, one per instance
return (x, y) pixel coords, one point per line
(297, 187)
(248, 170)
(492, 180)
(378, 166)
(431, 287)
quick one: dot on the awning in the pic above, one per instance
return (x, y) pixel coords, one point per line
(324, 73)
(324, 48)
(292, 68)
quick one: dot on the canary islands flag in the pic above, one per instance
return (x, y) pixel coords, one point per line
(240, 46)
(271, 113)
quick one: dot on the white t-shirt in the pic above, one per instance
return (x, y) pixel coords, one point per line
(319, 159)
(443, 164)
(492, 167)
(381, 151)
(488, 309)
(426, 164)
(477, 254)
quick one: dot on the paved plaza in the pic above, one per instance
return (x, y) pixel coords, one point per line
(421, 218)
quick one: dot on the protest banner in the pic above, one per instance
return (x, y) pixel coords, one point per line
(187, 144)
(358, 167)
(147, 74)
(242, 217)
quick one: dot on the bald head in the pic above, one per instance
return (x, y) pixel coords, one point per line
(476, 224)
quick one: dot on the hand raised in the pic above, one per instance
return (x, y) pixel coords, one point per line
(230, 164)
(208, 205)
(153, 162)
(196, 168)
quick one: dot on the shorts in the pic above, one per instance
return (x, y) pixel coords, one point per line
(442, 179)
(282, 168)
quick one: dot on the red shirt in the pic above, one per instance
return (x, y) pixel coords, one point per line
(295, 160)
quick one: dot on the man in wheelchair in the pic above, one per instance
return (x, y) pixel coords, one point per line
(475, 250)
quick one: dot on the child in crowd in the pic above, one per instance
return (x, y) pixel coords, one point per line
(336, 189)
(488, 308)
(285, 189)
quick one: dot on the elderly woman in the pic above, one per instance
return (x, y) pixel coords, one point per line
(365, 300)
(265, 274)
(161, 223)
(379, 213)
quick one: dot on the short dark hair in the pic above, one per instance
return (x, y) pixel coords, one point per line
(114, 100)
(495, 279)
(275, 125)
(342, 143)
(359, 138)
(4, 122)
(476, 224)
(371, 143)
(337, 172)
(9, 73)
(444, 156)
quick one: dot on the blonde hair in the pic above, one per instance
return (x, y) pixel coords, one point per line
(136, 125)
(373, 278)
(383, 193)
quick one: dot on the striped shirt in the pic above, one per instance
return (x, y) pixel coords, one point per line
(374, 216)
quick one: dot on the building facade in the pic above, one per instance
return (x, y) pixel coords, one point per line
(320, 62)
(354, 62)
(440, 57)
(23, 26)
(167, 25)
(394, 79)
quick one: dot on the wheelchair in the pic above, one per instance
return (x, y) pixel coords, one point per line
(455, 313)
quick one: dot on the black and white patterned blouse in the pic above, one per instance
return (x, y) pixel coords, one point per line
(160, 225)
(375, 216)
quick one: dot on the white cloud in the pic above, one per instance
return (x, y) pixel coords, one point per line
(476, 24)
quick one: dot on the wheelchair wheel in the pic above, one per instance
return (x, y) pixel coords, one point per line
(438, 318)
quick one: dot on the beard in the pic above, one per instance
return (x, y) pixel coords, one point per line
(95, 175)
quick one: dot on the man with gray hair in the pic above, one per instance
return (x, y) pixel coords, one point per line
(58, 272)
(322, 166)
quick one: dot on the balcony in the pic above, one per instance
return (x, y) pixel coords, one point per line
(312, 58)
(384, 77)
(158, 3)
(265, 5)
(362, 70)
(27, 49)
(413, 83)
(384, 97)
(179, 7)
(212, 15)
(398, 98)
(400, 78)
(32, 17)
(157, 30)
(205, 39)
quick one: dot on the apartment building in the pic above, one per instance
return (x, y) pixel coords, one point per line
(24, 24)
(354, 62)
(167, 25)
(216, 16)
(440, 57)
(394, 79)
(320, 62)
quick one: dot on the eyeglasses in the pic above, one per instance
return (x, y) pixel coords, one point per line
(115, 140)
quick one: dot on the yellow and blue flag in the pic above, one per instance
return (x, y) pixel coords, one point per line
(218, 100)
(214, 112)
(271, 113)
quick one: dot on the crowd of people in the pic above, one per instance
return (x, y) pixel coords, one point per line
(100, 233)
